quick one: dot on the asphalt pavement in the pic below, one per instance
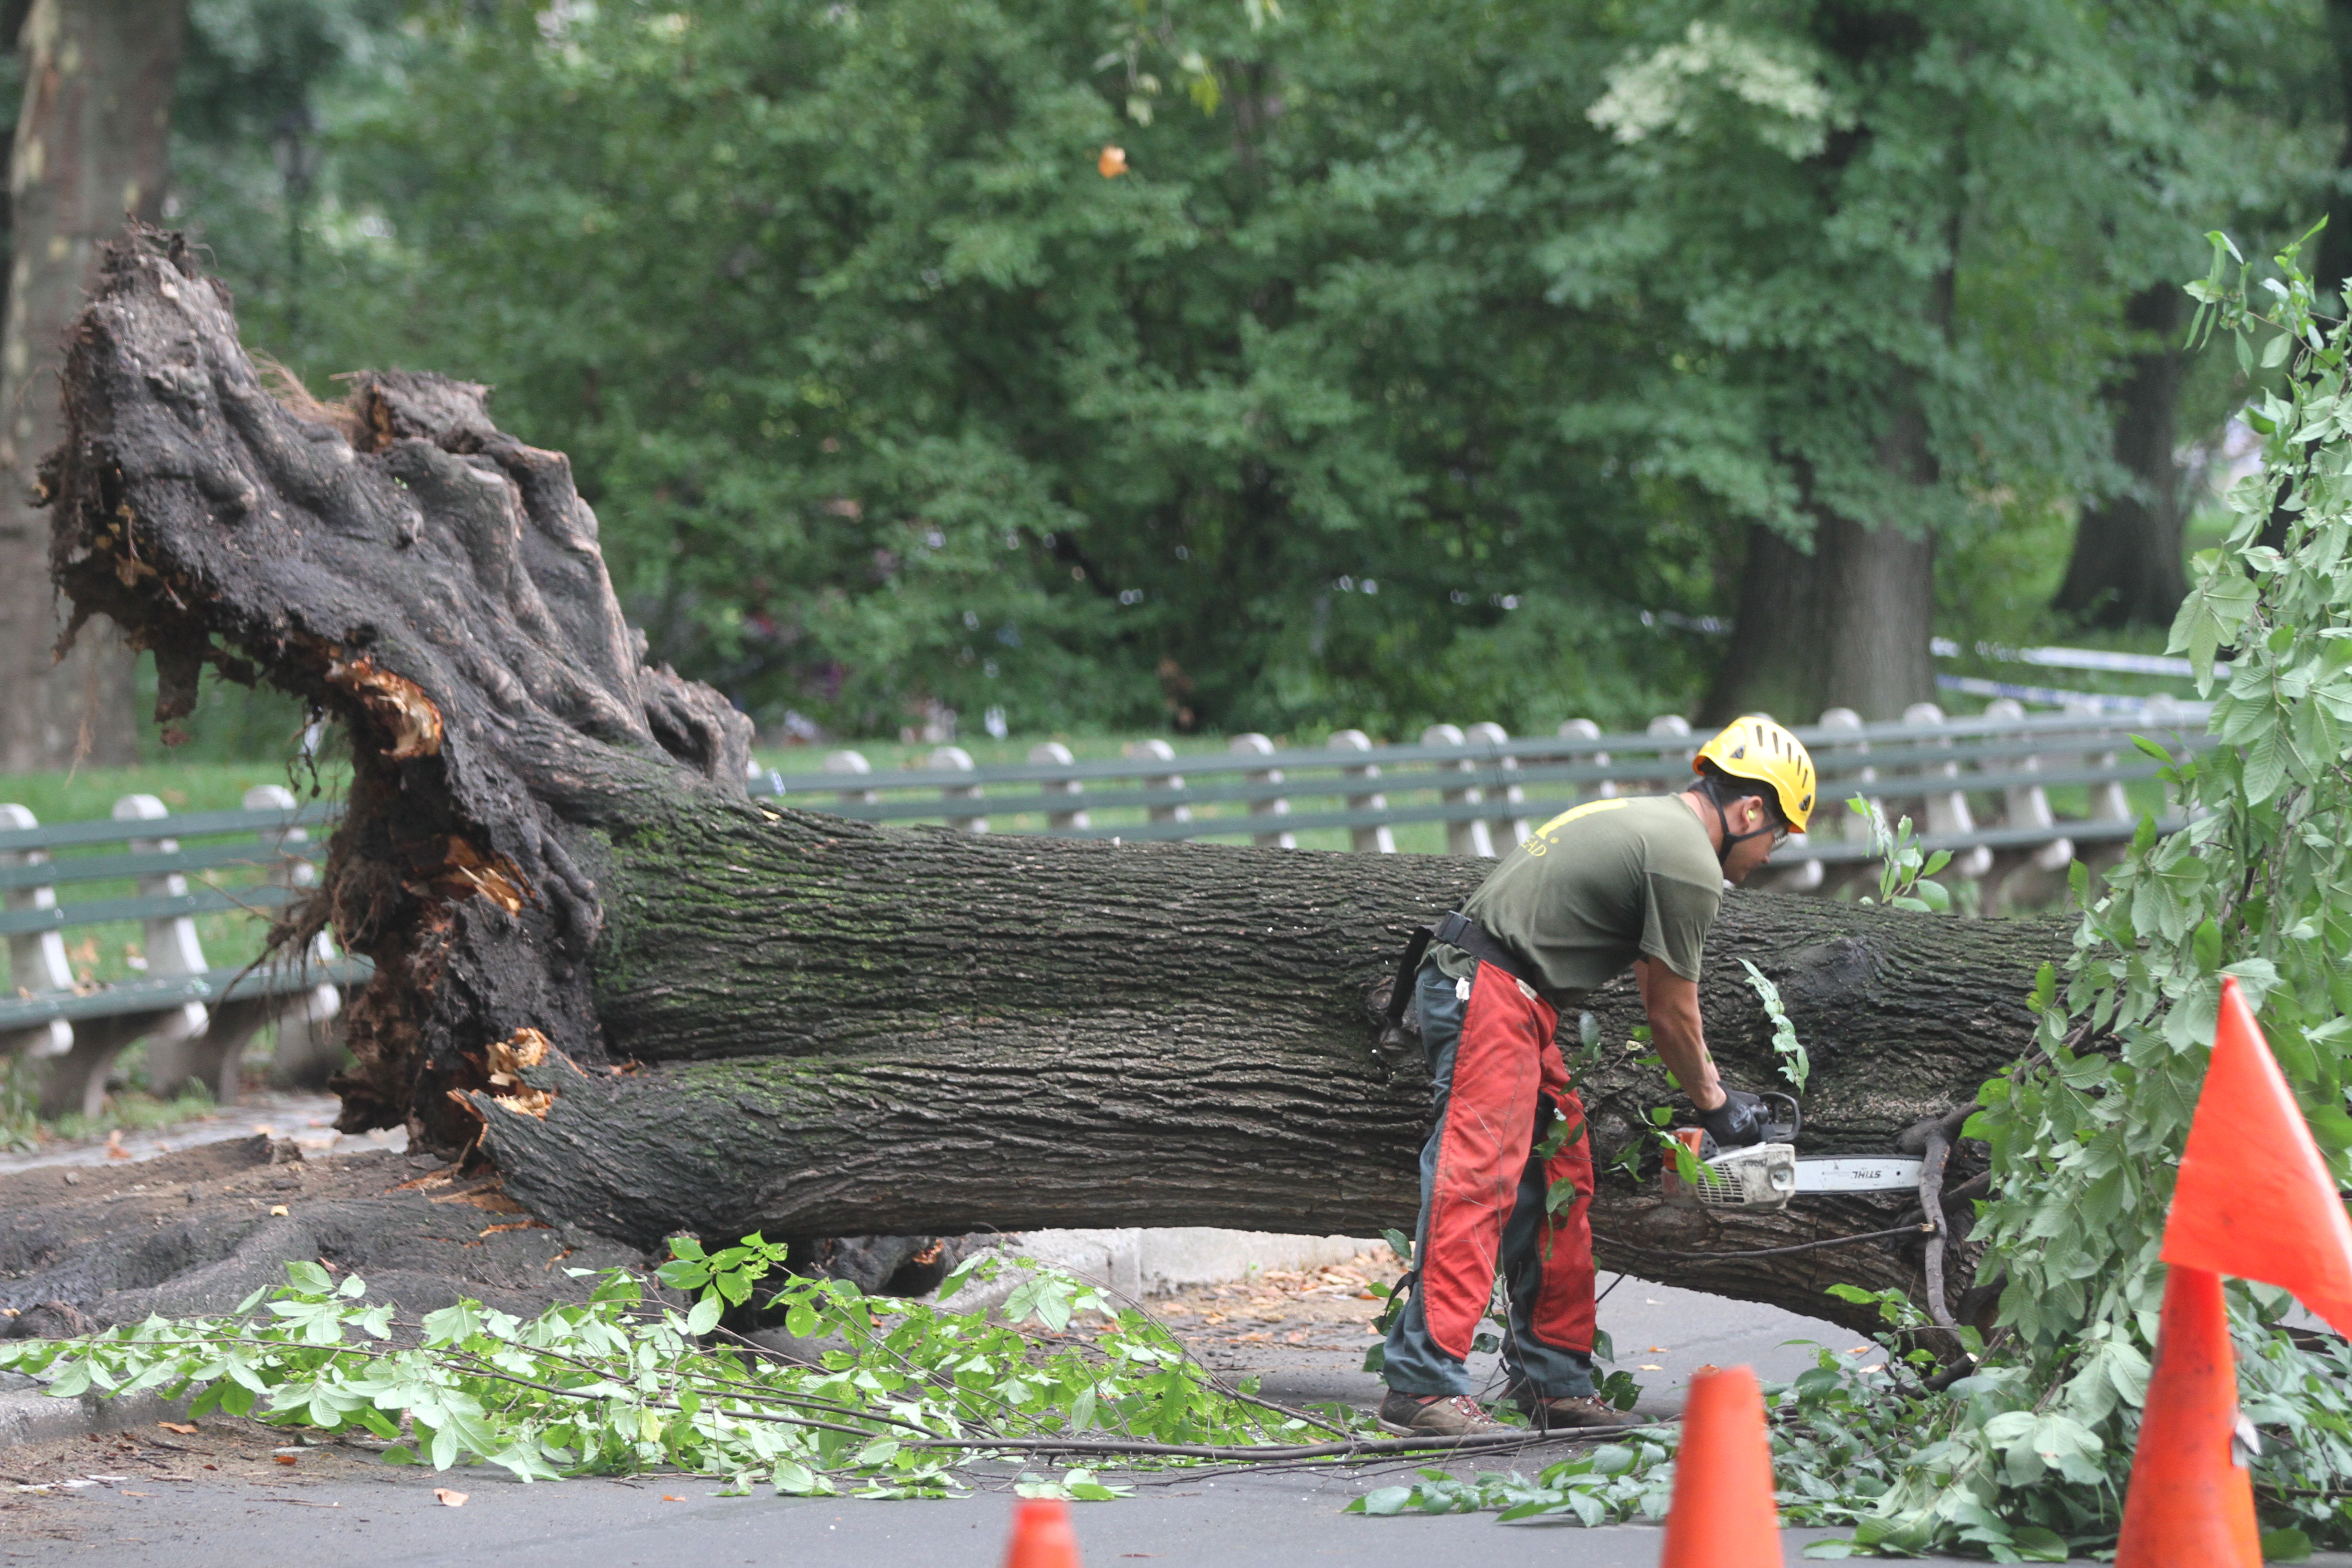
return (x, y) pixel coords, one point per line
(145, 1495)
(234, 1494)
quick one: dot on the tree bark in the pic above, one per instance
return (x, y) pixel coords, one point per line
(91, 145)
(1846, 624)
(2127, 568)
(2333, 265)
(656, 1004)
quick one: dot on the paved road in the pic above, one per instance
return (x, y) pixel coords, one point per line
(220, 1498)
(392, 1517)
(389, 1517)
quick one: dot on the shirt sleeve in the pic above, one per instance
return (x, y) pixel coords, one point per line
(1675, 920)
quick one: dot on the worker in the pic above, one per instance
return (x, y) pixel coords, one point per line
(1628, 880)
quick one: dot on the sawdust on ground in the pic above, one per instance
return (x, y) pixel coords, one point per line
(1330, 1308)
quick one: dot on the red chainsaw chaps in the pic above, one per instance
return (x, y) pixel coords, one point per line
(1506, 1059)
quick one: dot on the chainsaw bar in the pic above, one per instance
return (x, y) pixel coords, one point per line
(1858, 1173)
(1766, 1176)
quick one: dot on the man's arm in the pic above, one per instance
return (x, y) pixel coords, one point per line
(1671, 1004)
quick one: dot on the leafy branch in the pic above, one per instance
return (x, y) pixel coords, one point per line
(1904, 867)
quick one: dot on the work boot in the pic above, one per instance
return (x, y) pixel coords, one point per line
(1446, 1416)
(1566, 1413)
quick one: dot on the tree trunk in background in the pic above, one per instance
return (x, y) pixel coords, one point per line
(2334, 263)
(2127, 567)
(91, 145)
(656, 1003)
(1845, 626)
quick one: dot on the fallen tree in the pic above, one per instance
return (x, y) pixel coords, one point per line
(655, 1003)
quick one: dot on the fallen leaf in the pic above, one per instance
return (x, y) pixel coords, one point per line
(1652, 1366)
(1861, 1350)
(283, 1458)
(448, 1498)
(128, 1493)
(184, 1430)
(666, 1498)
(1657, 1350)
(277, 1208)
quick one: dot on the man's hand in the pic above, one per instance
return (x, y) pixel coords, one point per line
(1737, 1122)
(1671, 1004)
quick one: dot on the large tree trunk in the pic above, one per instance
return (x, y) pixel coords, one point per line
(2127, 567)
(2333, 265)
(91, 145)
(1844, 625)
(756, 1017)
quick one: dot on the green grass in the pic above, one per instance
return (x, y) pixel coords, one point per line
(90, 793)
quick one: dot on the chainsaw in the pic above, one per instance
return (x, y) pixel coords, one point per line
(1766, 1175)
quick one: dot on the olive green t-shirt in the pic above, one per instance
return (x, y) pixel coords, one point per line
(1597, 886)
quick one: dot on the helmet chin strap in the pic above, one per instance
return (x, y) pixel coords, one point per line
(1731, 840)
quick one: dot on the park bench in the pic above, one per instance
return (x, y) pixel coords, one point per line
(1981, 786)
(195, 1017)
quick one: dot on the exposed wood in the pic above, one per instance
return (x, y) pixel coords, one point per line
(656, 1003)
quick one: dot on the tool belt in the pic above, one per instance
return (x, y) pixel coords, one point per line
(1458, 931)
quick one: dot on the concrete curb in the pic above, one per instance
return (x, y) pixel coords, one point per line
(28, 1414)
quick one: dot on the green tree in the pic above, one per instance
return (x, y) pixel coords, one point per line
(1418, 349)
(885, 394)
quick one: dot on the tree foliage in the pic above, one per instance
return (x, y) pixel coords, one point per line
(1418, 350)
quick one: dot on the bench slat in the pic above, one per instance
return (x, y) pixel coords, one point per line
(162, 996)
(195, 824)
(123, 867)
(93, 912)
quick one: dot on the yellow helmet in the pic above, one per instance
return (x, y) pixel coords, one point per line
(1756, 748)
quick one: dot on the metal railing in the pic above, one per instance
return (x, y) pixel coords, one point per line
(1990, 787)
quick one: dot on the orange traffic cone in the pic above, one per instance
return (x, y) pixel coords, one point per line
(1042, 1536)
(2191, 1504)
(2255, 1198)
(1722, 1515)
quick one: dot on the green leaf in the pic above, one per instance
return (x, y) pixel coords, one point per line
(2036, 1544)
(2207, 943)
(309, 1278)
(705, 1315)
(2287, 1544)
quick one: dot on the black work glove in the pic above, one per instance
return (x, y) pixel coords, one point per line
(1737, 1122)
